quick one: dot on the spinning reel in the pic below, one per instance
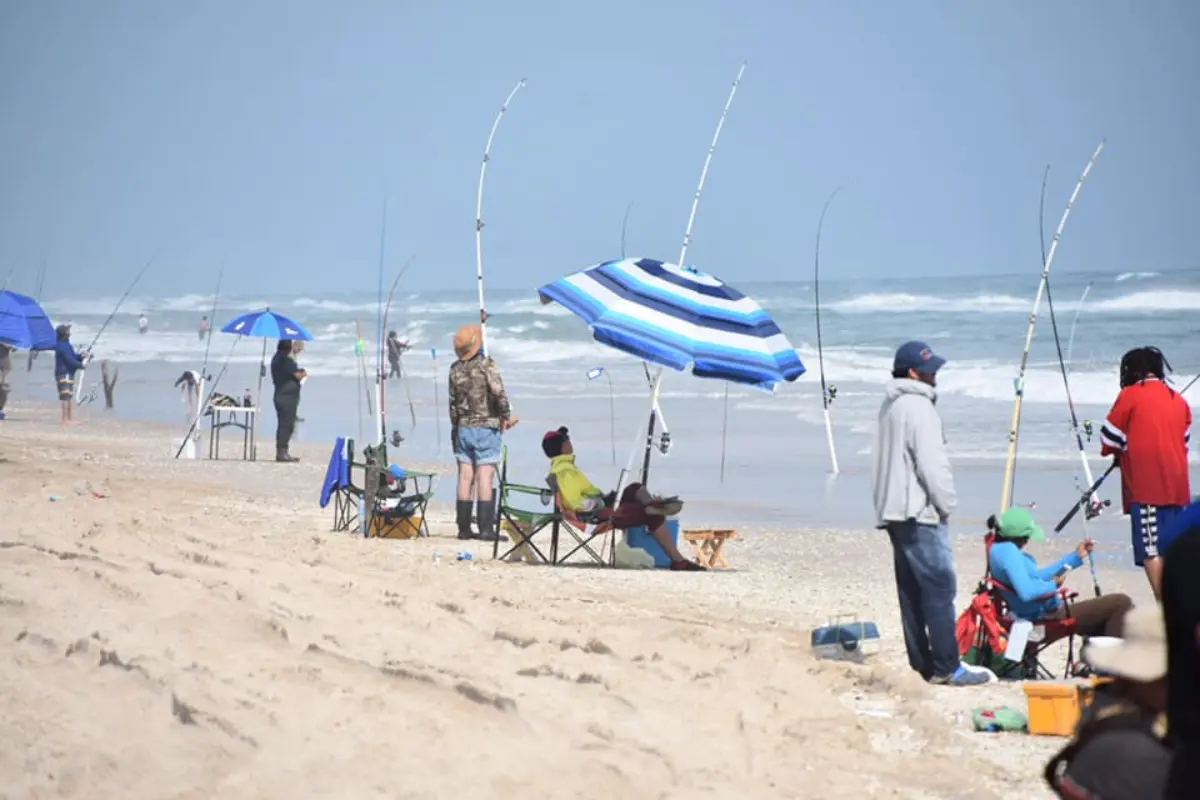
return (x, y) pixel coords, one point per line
(664, 443)
(396, 438)
(830, 393)
(1087, 429)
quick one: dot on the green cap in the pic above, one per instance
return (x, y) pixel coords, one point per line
(1017, 523)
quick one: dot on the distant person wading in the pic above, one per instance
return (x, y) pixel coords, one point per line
(479, 414)
(286, 374)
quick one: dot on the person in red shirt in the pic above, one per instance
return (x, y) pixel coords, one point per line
(1148, 430)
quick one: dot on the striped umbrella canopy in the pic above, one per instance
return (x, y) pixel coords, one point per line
(679, 317)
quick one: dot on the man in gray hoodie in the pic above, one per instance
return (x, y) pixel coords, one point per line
(914, 497)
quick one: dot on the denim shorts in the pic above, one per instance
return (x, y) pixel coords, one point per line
(478, 446)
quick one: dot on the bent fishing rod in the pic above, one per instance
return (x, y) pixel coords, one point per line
(387, 309)
(1093, 508)
(624, 224)
(1019, 383)
(827, 392)
(655, 411)
(487, 156)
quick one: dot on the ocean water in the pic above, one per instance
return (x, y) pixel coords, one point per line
(776, 461)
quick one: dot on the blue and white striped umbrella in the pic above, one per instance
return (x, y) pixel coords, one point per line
(679, 317)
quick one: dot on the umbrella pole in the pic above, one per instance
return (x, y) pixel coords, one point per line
(724, 430)
(262, 367)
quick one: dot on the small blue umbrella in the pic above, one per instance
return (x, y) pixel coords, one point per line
(23, 323)
(265, 324)
(268, 325)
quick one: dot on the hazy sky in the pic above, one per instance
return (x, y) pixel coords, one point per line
(268, 133)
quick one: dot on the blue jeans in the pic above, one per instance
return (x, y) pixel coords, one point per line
(926, 584)
(478, 446)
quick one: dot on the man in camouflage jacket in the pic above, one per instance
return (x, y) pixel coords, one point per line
(479, 414)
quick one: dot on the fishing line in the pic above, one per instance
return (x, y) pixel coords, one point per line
(1094, 507)
(212, 390)
(437, 416)
(1071, 335)
(79, 381)
(204, 376)
(1019, 382)
(387, 310)
(487, 156)
(828, 392)
(687, 240)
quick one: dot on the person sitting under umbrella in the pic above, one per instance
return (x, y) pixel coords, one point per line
(637, 507)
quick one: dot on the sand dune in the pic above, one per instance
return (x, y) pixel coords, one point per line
(198, 633)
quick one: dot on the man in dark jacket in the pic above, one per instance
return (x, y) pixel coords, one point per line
(1181, 608)
(287, 376)
(67, 361)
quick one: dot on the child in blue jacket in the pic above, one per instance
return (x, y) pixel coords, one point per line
(66, 362)
(1032, 593)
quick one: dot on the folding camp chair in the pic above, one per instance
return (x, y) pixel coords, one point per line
(584, 530)
(389, 502)
(986, 626)
(521, 522)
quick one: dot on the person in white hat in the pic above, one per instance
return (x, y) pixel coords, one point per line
(1118, 751)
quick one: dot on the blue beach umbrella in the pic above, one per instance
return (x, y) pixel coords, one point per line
(681, 318)
(23, 323)
(678, 317)
(268, 325)
(265, 324)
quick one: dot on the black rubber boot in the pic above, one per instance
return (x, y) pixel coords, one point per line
(485, 512)
(463, 518)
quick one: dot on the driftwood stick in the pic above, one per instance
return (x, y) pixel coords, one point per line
(110, 383)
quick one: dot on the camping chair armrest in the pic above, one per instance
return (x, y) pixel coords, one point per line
(521, 488)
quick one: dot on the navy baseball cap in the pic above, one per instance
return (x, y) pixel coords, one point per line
(918, 356)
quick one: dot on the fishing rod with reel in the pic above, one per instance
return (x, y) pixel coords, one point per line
(1096, 504)
(80, 398)
(1019, 381)
(828, 390)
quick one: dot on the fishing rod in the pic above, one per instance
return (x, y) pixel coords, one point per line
(487, 155)
(8, 277)
(79, 397)
(687, 240)
(204, 376)
(624, 224)
(380, 388)
(364, 385)
(1019, 382)
(40, 284)
(1084, 498)
(828, 392)
(1097, 503)
(212, 390)
(387, 309)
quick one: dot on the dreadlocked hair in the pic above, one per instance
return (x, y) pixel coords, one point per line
(1143, 363)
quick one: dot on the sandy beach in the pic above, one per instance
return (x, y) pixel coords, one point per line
(198, 632)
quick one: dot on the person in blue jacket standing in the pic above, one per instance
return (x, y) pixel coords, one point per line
(66, 362)
(1032, 592)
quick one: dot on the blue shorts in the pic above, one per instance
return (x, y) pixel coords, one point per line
(1147, 522)
(478, 446)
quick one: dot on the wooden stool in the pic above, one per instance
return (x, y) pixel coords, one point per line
(709, 544)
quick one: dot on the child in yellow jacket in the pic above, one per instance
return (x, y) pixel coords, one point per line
(637, 508)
